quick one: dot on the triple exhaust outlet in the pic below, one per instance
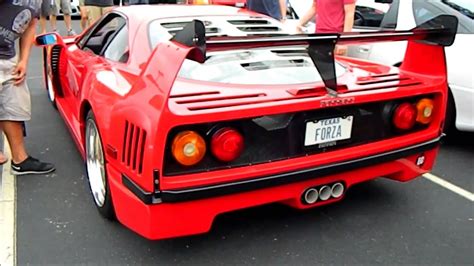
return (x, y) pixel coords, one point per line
(323, 193)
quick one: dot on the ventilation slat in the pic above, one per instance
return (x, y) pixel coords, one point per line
(134, 139)
(142, 151)
(125, 137)
(130, 142)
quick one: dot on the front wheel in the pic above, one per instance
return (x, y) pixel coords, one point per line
(96, 170)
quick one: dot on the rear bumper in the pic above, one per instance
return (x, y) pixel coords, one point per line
(192, 211)
(274, 180)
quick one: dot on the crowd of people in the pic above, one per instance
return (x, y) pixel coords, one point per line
(18, 22)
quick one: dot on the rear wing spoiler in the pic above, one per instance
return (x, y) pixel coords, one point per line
(439, 31)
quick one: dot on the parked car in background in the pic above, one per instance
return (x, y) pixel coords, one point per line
(75, 9)
(406, 14)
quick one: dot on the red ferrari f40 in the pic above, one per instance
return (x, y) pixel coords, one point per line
(182, 113)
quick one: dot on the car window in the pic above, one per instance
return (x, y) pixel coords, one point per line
(369, 14)
(103, 33)
(463, 9)
(117, 49)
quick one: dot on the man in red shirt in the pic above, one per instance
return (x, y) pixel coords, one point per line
(331, 16)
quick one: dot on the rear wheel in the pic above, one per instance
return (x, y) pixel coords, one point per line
(449, 122)
(96, 170)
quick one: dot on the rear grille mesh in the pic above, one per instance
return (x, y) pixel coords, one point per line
(134, 139)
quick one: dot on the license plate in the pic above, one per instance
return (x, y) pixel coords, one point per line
(328, 130)
(240, 4)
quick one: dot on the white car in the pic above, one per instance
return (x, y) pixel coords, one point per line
(75, 9)
(406, 14)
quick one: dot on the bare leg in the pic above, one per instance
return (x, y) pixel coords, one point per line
(67, 21)
(43, 24)
(52, 19)
(14, 132)
(84, 18)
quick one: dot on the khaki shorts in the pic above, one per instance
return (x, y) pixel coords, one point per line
(65, 6)
(15, 103)
(94, 13)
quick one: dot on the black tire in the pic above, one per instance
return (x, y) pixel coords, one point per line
(449, 121)
(106, 209)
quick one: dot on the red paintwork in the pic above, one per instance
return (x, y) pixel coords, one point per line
(152, 77)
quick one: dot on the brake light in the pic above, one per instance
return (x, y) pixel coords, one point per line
(227, 144)
(404, 116)
(188, 148)
(425, 111)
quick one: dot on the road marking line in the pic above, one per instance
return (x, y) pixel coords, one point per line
(7, 213)
(460, 191)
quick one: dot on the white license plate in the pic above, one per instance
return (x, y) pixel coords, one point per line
(328, 130)
(240, 4)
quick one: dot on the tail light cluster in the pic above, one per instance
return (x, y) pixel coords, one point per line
(407, 114)
(189, 148)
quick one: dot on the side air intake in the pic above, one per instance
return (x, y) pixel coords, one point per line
(134, 139)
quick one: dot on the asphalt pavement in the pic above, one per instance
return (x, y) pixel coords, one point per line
(381, 221)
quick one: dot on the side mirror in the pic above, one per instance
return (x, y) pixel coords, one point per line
(384, 1)
(46, 39)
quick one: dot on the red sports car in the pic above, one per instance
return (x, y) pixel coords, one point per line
(185, 112)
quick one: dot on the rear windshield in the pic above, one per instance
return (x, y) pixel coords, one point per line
(290, 65)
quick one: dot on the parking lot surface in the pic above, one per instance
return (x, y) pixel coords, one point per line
(383, 221)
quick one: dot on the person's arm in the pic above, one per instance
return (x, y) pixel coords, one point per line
(26, 42)
(307, 17)
(349, 11)
(283, 10)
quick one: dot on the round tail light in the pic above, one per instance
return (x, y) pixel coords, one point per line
(404, 116)
(188, 148)
(227, 144)
(425, 111)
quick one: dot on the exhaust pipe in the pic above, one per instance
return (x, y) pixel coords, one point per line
(337, 190)
(325, 192)
(310, 196)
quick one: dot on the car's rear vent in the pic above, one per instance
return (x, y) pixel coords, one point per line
(378, 81)
(249, 22)
(259, 29)
(287, 53)
(385, 81)
(180, 24)
(134, 139)
(174, 27)
(272, 64)
(221, 98)
(174, 96)
(210, 31)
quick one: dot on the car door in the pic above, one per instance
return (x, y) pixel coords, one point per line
(85, 56)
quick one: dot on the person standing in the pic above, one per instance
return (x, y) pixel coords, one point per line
(96, 8)
(18, 21)
(84, 15)
(273, 8)
(332, 16)
(51, 8)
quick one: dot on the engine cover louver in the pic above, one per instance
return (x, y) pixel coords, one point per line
(134, 139)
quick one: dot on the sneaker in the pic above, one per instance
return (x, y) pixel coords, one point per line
(71, 32)
(31, 166)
